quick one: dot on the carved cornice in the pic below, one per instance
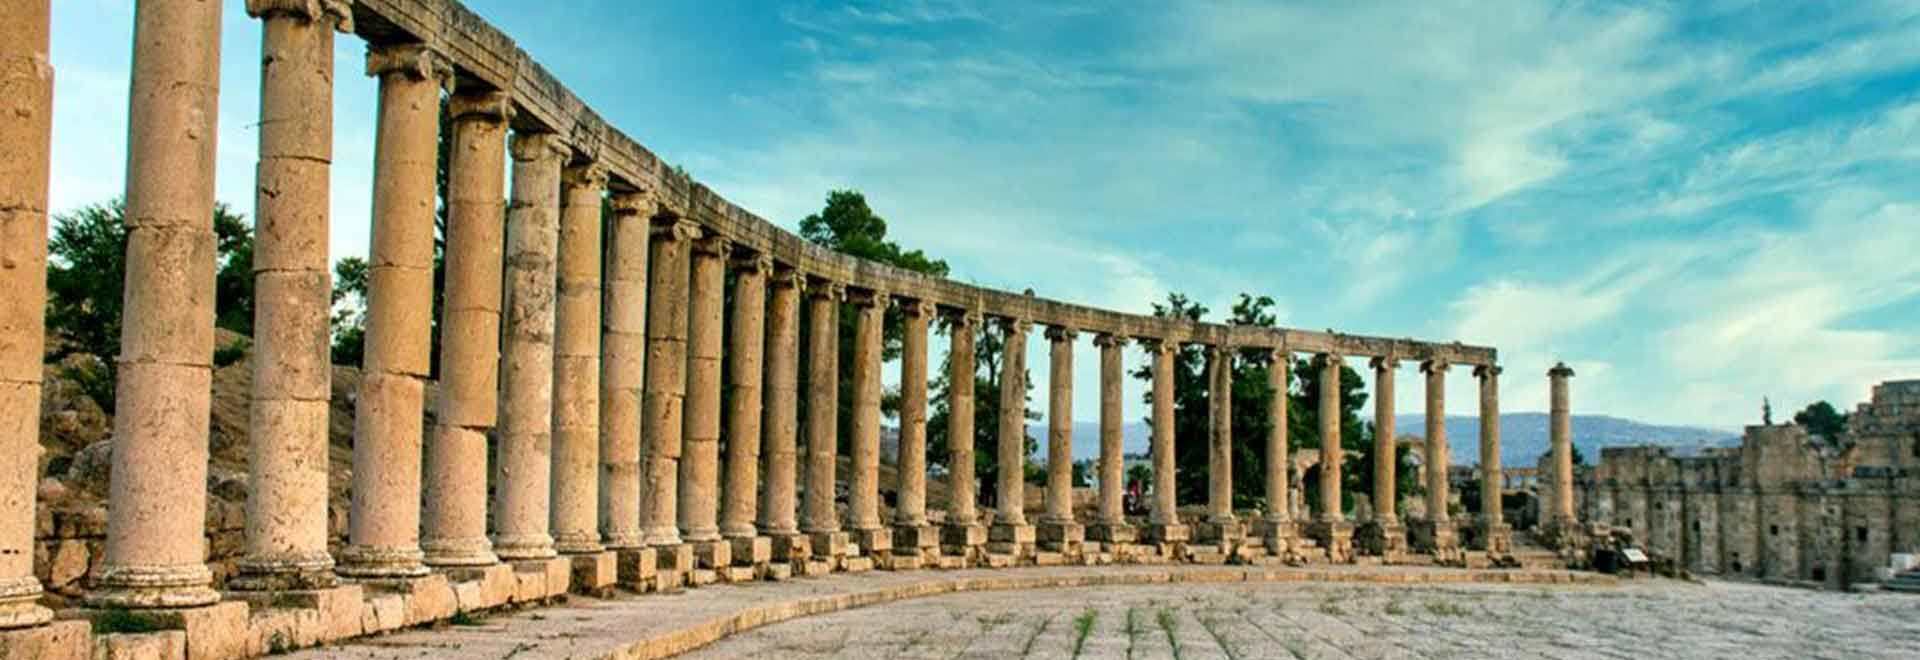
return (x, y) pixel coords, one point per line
(713, 245)
(413, 60)
(532, 147)
(339, 11)
(488, 106)
(592, 176)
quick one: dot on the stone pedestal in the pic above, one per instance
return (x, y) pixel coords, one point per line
(1336, 536)
(636, 568)
(1277, 536)
(1385, 539)
(1060, 536)
(1564, 535)
(60, 640)
(1496, 538)
(594, 573)
(830, 546)
(963, 541)
(1219, 532)
(752, 551)
(1015, 539)
(791, 548)
(712, 555)
(874, 542)
(917, 540)
(1165, 533)
(1120, 533)
(1439, 538)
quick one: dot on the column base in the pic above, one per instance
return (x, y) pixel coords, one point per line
(1010, 539)
(19, 606)
(468, 552)
(1493, 538)
(711, 555)
(1221, 531)
(1060, 535)
(1386, 539)
(1565, 535)
(154, 587)
(830, 546)
(1277, 535)
(301, 572)
(524, 547)
(360, 563)
(1164, 533)
(751, 551)
(1112, 532)
(594, 573)
(874, 541)
(916, 539)
(1336, 536)
(1440, 538)
(791, 547)
(962, 540)
(577, 543)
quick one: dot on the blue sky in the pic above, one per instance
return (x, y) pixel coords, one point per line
(1695, 204)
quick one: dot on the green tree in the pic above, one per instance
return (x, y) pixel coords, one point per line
(988, 348)
(1356, 437)
(1823, 421)
(350, 276)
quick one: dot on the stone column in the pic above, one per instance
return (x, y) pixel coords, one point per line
(1164, 520)
(26, 100)
(746, 344)
(779, 419)
(525, 469)
(1436, 533)
(384, 533)
(1331, 527)
(963, 532)
(700, 455)
(1494, 535)
(1276, 527)
(1561, 418)
(1112, 525)
(1221, 525)
(1058, 529)
(1383, 536)
(468, 405)
(863, 486)
(666, 387)
(575, 489)
(821, 521)
(155, 553)
(912, 536)
(623, 354)
(286, 541)
(1010, 530)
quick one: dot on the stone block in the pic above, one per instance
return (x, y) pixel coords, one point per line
(1060, 535)
(1009, 533)
(1049, 559)
(58, 640)
(1219, 532)
(1164, 533)
(594, 573)
(216, 631)
(856, 564)
(1111, 533)
(1388, 541)
(792, 547)
(779, 572)
(915, 539)
(963, 538)
(164, 645)
(996, 560)
(676, 558)
(429, 598)
(948, 562)
(752, 550)
(737, 574)
(712, 555)
(388, 612)
(540, 579)
(900, 562)
(828, 545)
(635, 568)
(669, 581)
(874, 542)
(701, 577)
(496, 586)
(813, 567)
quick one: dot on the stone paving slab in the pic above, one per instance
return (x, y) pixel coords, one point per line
(662, 625)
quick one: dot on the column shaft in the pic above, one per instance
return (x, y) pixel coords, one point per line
(1165, 508)
(1279, 463)
(863, 486)
(1561, 418)
(1330, 450)
(1112, 451)
(575, 488)
(1438, 461)
(155, 555)
(468, 405)
(26, 75)
(746, 346)
(780, 416)
(1220, 435)
(623, 347)
(823, 403)
(1386, 486)
(911, 505)
(1060, 426)
(963, 492)
(700, 457)
(1011, 452)
(661, 423)
(524, 472)
(1491, 479)
(384, 528)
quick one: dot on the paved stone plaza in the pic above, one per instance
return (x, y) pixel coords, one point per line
(1649, 619)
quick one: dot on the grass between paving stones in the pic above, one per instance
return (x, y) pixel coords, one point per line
(1445, 608)
(1393, 608)
(1082, 626)
(1133, 629)
(1027, 648)
(1170, 626)
(989, 622)
(914, 639)
(1212, 626)
(1331, 606)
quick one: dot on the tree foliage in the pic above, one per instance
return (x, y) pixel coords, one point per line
(1823, 421)
(988, 348)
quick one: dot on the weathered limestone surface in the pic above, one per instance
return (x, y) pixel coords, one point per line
(746, 347)
(1385, 459)
(575, 487)
(523, 480)
(863, 486)
(823, 396)
(1112, 524)
(26, 100)
(962, 531)
(1010, 516)
(388, 424)
(911, 510)
(1493, 535)
(1058, 525)
(1220, 440)
(780, 416)
(1330, 526)
(1561, 417)
(154, 556)
(700, 456)
(456, 454)
(1276, 527)
(1163, 518)
(661, 424)
(623, 355)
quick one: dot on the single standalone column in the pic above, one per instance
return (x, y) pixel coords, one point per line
(912, 536)
(468, 405)
(525, 471)
(1330, 527)
(963, 532)
(1276, 528)
(863, 486)
(666, 386)
(1058, 529)
(27, 78)
(1436, 533)
(746, 344)
(779, 419)
(1494, 535)
(822, 522)
(700, 456)
(1010, 530)
(286, 541)
(384, 528)
(623, 354)
(1112, 526)
(1164, 519)
(1221, 526)
(1561, 417)
(575, 490)
(156, 527)
(1383, 536)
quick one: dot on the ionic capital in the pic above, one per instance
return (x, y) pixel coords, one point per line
(631, 205)
(531, 147)
(917, 308)
(675, 229)
(1219, 352)
(752, 263)
(867, 297)
(591, 175)
(488, 106)
(1156, 346)
(413, 60)
(962, 319)
(713, 245)
(1487, 371)
(828, 289)
(1384, 363)
(1560, 370)
(1109, 340)
(788, 277)
(1016, 326)
(1061, 334)
(1279, 355)
(1435, 366)
(1329, 360)
(338, 11)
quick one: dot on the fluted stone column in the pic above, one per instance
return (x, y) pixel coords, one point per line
(1561, 418)
(1221, 525)
(1330, 526)
(623, 354)
(746, 345)
(1436, 534)
(700, 455)
(468, 406)
(661, 421)
(863, 486)
(780, 419)
(1384, 536)
(1111, 526)
(525, 469)
(1276, 525)
(1010, 533)
(1494, 534)
(575, 488)
(963, 532)
(1164, 519)
(384, 532)
(26, 100)
(912, 536)
(155, 554)
(821, 521)
(1058, 530)
(286, 540)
